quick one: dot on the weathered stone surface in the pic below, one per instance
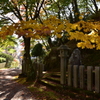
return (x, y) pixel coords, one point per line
(75, 58)
(75, 76)
(97, 79)
(81, 76)
(70, 75)
(63, 56)
(89, 78)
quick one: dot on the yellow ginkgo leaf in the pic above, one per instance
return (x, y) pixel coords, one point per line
(58, 35)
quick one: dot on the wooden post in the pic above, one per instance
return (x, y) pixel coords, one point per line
(40, 70)
(97, 79)
(89, 78)
(70, 74)
(75, 76)
(81, 76)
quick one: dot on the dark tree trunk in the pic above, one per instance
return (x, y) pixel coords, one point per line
(76, 10)
(7, 61)
(95, 5)
(27, 67)
(28, 63)
(50, 42)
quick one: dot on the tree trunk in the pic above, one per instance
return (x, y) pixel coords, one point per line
(76, 10)
(27, 58)
(27, 67)
(7, 61)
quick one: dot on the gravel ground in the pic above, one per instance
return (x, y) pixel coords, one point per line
(9, 89)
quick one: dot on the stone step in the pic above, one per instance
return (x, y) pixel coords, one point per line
(57, 75)
(49, 83)
(50, 78)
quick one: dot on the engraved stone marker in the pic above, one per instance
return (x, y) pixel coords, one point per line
(75, 58)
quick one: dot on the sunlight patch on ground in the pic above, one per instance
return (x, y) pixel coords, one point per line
(2, 92)
(43, 87)
(4, 69)
(15, 77)
(8, 77)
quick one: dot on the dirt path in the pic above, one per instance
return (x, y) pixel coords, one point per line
(9, 89)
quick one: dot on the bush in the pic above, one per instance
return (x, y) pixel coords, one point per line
(6, 58)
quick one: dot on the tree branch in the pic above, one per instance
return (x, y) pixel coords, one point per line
(38, 8)
(17, 10)
(7, 18)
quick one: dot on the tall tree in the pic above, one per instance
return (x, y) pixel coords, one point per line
(32, 15)
(22, 10)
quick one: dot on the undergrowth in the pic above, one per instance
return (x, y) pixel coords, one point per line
(42, 92)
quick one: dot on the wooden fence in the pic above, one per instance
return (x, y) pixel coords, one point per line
(38, 67)
(84, 77)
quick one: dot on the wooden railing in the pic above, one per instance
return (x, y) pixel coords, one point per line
(84, 77)
(39, 67)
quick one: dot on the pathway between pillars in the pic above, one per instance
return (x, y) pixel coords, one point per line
(9, 89)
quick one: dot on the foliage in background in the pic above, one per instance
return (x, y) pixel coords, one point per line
(7, 50)
(6, 58)
(38, 50)
(39, 19)
(3, 55)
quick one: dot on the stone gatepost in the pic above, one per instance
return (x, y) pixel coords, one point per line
(75, 76)
(63, 55)
(70, 75)
(81, 76)
(89, 78)
(97, 79)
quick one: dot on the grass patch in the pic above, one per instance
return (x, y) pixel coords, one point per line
(21, 80)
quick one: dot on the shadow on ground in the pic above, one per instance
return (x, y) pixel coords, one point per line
(9, 89)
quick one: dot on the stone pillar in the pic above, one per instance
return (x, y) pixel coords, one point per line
(89, 78)
(63, 55)
(75, 76)
(81, 76)
(70, 75)
(97, 79)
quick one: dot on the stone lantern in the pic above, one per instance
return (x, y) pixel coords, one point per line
(63, 56)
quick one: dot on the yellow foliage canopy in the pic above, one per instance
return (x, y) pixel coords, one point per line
(87, 32)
